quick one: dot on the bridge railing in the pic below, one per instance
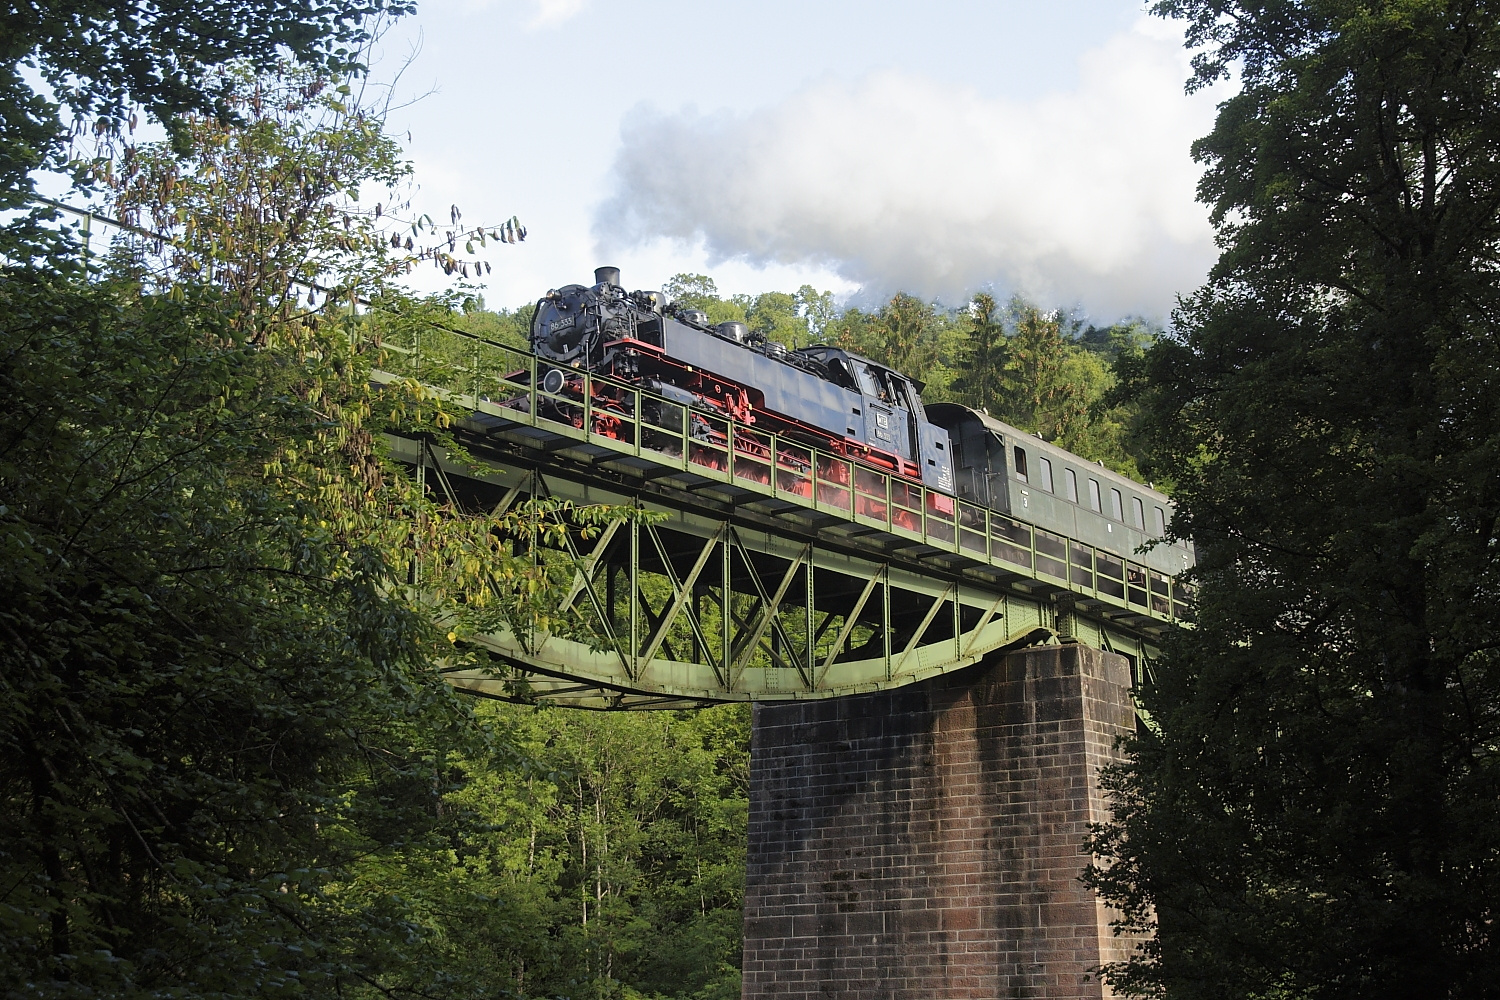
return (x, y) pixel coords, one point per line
(505, 381)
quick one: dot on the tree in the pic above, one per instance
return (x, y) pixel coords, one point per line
(692, 291)
(1127, 338)
(266, 205)
(817, 309)
(1034, 389)
(206, 678)
(220, 601)
(902, 334)
(1044, 381)
(101, 60)
(984, 355)
(1315, 810)
(774, 316)
(607, 862)
(266, 210)
(296, 206)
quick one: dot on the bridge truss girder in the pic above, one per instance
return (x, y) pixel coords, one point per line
(703, 607)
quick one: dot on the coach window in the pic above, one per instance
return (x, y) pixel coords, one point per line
(1070, 479)
(1044, 473)
(1116, 505)
(1137, 513)
(1020, 463)
(1094, 495)
(1161, 521)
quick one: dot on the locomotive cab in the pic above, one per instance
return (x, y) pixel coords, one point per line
(889, 415)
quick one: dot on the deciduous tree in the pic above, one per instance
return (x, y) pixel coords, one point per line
(105, 61)
(206, 677)
(220, 603)
(1316, 809)
(607, 862)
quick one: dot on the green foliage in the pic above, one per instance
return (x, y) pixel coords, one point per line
(817, 309)
(775, 315)
(266, 207)
(796, 319)
(901, 334)
(982, 359)
(1317, 815)
(205, 680)
(103, 61)
(221, 601)
(607, 861)
(692, 291)
(1052, 385)
(295, 208)
(511, 327)
(1042, 373)
(224, 745)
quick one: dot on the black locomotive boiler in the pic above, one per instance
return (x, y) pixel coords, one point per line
(838, 402)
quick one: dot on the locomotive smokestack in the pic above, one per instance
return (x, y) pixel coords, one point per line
(607, 276)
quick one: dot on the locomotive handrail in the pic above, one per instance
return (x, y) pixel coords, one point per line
(502, 381)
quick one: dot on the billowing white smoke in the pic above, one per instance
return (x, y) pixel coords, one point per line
(897, 182)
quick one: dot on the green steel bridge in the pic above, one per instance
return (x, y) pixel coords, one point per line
(774, 571)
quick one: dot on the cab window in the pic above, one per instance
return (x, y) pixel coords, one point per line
(868, 383)
(902, 393)
(842, 375)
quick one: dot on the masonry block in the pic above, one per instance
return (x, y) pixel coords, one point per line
(926, 842)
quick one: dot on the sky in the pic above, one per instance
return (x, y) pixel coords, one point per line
(863, 147)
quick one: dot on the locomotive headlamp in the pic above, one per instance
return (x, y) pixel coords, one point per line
(553, 381)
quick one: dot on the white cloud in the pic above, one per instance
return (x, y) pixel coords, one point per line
(550, 13)
(896, 181)
(533, 14)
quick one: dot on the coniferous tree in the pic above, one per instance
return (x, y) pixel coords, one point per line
(902, 333)
(980, 367)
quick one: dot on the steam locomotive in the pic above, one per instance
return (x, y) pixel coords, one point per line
(839, 402)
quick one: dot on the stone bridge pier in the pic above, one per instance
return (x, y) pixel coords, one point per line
(926, 842)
